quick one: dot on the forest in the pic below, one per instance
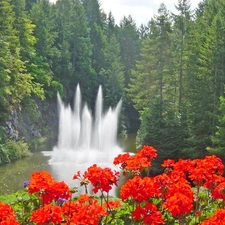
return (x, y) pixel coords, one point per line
(170, 73)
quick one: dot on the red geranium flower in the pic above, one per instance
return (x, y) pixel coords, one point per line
(102, 179)
(7, 215)
(121, 159)
(148, 152)
(84, 211)
(168, 163)
(178, 204)
(139, 189)
(219, 191)
(48, 214)
(149, 214)
(112, 205)
(40, 181)
(217, 218)
(137, 162)
(47, 188)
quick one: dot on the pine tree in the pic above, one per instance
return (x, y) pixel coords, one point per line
(181, 30)
(207, 77)
(73, 64)
(153, 68)
(130, 44)
(21, 83)
(218, 147)
(112, 74)
(153, 92)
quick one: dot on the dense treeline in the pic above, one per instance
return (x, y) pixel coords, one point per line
(169, 72)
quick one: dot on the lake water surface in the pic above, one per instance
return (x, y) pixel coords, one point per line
(13, 175)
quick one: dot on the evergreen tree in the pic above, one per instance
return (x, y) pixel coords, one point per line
(41, 61)
(166, 134)
(5, 57)
(153, 68)
(130, 45)
(207, 77)
(112, 74)
(29, 4)
(97, 37)
(152, 91)
(75, 50)
(181, 30)
(21, 83)
(218, 147)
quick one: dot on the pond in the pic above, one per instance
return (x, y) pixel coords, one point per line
(13, 175)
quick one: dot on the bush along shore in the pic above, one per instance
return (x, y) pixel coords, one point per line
(188, 192)
(11, 151)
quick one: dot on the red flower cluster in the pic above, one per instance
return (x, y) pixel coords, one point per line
(205, 172)
(140, 189)
(219, 191)
(178, 195)
(149, 214)
(178, 205)
(102, 179)
(171, 192)
(48, 214)
(216, 219)
(175, 192)
(110, 205)
(7, 215)
(84, 211)
(172, 186)
(47, 188)
(136, 162)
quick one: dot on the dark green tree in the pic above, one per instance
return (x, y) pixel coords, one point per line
(181, 30)
(218, 147)
(130, 44)
(74, 64)
(96, 21)
(206, 77)
(153, 92)
(29, 4)
(41, 60)
(21, 83)
(112, 74)
(166, 133)
(153, 69)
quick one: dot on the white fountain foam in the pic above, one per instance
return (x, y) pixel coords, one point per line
(84, 140)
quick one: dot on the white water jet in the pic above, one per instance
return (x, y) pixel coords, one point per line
(84, 140)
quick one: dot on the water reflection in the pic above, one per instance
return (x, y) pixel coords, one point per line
(13, 175)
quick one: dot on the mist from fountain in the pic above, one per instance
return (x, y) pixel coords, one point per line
(84, 139)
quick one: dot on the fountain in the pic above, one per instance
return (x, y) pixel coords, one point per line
(84, 139)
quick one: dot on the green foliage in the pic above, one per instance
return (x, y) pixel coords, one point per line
(31, 110)
(120, 216)
(55, 87)
(112, 74)
(152, 75)
(129, 46)
(37, 143)
(97, 36)
(218, 139)
(23, 204)
(166, 132)
(11, 151)
(176, 59)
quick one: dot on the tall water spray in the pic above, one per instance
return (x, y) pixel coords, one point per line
(84, 139)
